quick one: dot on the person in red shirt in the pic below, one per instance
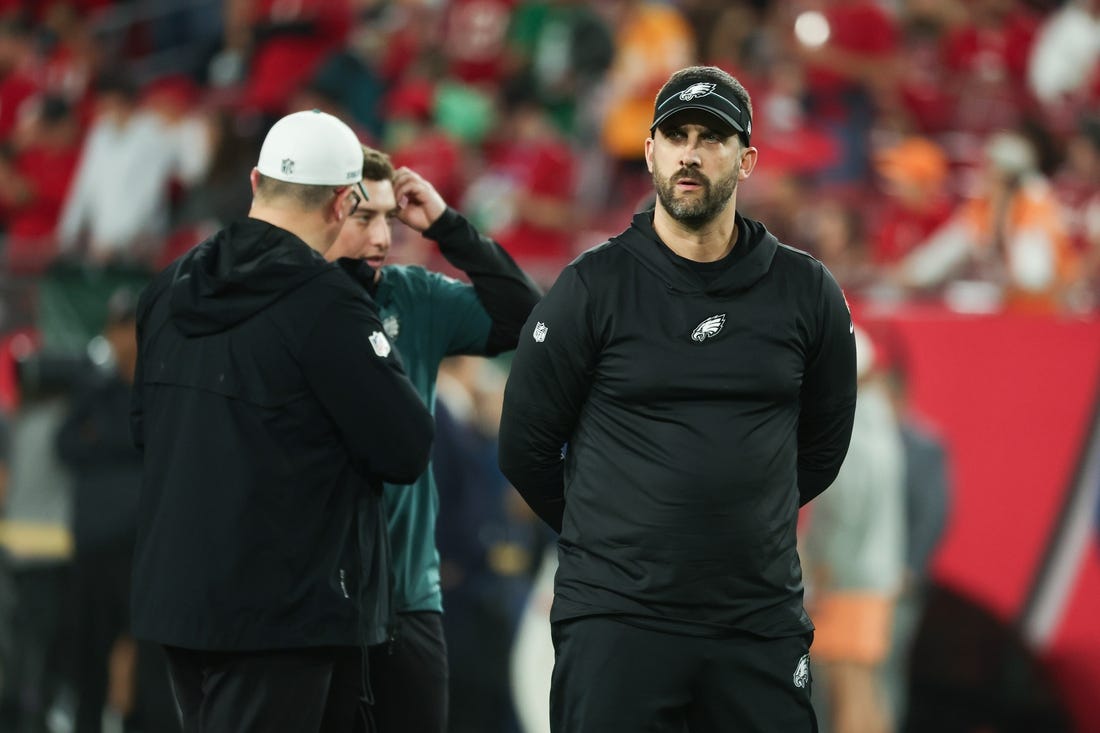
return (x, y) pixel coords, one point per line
(285, 42)
(986, 60)
(69, 56)
(530, 185)
(33, 184)
(18, 65)
(849, 75)
(417, 143)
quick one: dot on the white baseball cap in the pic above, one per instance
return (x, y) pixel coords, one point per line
(312, 147)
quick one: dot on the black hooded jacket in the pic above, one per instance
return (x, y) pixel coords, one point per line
(701, 405)
(267, 399)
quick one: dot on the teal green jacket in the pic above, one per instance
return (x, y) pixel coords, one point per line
(430, 316)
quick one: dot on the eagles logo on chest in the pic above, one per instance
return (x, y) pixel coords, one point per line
(709, 328)
(391, 326)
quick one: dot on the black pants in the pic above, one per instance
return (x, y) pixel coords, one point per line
(408, 677)
(260, 692)
(611, 676)
(37, 666)
(101, 582)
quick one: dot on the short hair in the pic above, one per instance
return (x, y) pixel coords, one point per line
(711, 74)
(377, 166)
(307, 196)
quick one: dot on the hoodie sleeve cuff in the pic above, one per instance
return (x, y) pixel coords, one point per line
(445, 224)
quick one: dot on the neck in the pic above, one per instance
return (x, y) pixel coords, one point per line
(306, 225)
(709, 243)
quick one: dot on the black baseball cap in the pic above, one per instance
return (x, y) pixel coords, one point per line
(708, 95)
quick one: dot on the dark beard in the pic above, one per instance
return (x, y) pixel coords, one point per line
(695, 213)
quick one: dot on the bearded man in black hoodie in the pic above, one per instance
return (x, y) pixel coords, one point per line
(675, 398)
(269, 406)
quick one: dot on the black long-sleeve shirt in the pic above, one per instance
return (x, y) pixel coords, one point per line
(669, 421)
(505, 291)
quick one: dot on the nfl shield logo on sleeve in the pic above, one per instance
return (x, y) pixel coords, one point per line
(380, 344)
(540, 332)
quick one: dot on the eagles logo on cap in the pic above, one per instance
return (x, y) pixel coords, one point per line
(716, 97)
(697, 90)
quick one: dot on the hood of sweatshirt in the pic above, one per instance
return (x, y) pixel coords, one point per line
(238, 272)
(746, 268)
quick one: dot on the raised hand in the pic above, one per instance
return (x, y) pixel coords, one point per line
(418, 203)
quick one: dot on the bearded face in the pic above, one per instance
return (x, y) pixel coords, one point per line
(690, 197)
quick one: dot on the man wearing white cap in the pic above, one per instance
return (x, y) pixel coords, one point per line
(267, 398)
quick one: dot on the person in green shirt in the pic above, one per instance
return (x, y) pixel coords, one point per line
(428, 316)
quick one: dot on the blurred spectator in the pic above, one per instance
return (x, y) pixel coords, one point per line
(38, 538)
(35, 181)
(792, 143)
(850, 49)
(784, 202)
(220, 197)
(188, 32)
(924, 100)
(533, 649)
(1010, 235)
(488, 545)
(94, 442)
(1077, 184)
(418, 143)
(325, 96)
(525, 198)
(986, 66)
(837, 238)
(728, 36)
(280, 44)
(474, 39)
(70, 56)
(915, 202)
(354, 85)
(562, 48)
(1064, 67)
(854, 555)
(652, 40)
(117, 208)
(18, 72)
(927, 508)
(403, 39)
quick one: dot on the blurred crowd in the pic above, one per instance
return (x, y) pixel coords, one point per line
(919, 147)
(943, 150)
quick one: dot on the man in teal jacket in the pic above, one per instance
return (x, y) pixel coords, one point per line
(428, 316)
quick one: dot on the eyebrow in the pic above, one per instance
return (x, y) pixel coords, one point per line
(366, 213)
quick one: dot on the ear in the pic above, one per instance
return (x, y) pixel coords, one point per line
(339, 202)
(649, 154)
(254, 179)
(748, 161)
